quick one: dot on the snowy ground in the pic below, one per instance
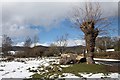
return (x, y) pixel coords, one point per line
(106, 59)
(19, 68)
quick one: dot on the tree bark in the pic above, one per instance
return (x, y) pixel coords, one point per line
(90, 44)
(90, 35)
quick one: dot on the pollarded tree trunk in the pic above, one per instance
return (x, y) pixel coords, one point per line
(90, 35)
(87, 18)
(90, 44)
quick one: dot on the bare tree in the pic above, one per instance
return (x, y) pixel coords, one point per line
(104, 43)
(27, 45)
(6, 44)
(62, 43)
(52, 50)
(28, 42)
(89, 19)
(36, 40)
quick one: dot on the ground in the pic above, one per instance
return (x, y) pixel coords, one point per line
(49, 67)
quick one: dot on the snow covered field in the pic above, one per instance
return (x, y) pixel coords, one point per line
(19, 68)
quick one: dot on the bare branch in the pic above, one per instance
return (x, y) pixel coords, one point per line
(90, 14)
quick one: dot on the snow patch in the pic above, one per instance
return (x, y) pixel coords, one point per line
(106, 59)
(69, 75)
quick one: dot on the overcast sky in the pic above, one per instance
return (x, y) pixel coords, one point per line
(45, 19)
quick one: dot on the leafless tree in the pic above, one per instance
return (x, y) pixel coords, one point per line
(27, 45)
(28, 42)
(52, 50)
(104, 43)
(62, 43)
(89, 19)
(36, 40)
(6, 44)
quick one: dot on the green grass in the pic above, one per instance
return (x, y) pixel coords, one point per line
(88, 68)
(37, 75)
(74, 69)
(94, 68)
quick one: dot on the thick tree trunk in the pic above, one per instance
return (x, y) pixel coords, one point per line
(90, 35)
(90, 45)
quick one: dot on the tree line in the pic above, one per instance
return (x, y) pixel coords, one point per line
(57, 48)
(107, 42)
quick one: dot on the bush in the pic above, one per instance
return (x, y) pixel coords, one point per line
(30, 52)
(21, 54)
(10, 58)
(48, 53)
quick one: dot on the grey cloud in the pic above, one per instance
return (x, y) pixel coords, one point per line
(34, 13)
(25, 13)
(14, 30)
(45, 14)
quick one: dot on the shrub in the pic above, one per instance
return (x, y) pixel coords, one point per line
(10, 58)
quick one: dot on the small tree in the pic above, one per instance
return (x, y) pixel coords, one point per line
(28, 42)
(36, 40)
(53, 49)
(27, 45)
(104, 43)
(6, 44)
(117, 44)
(62, 43)
(89, 19)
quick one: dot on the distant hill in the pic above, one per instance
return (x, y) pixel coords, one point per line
(20, 48)
(17, 48)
